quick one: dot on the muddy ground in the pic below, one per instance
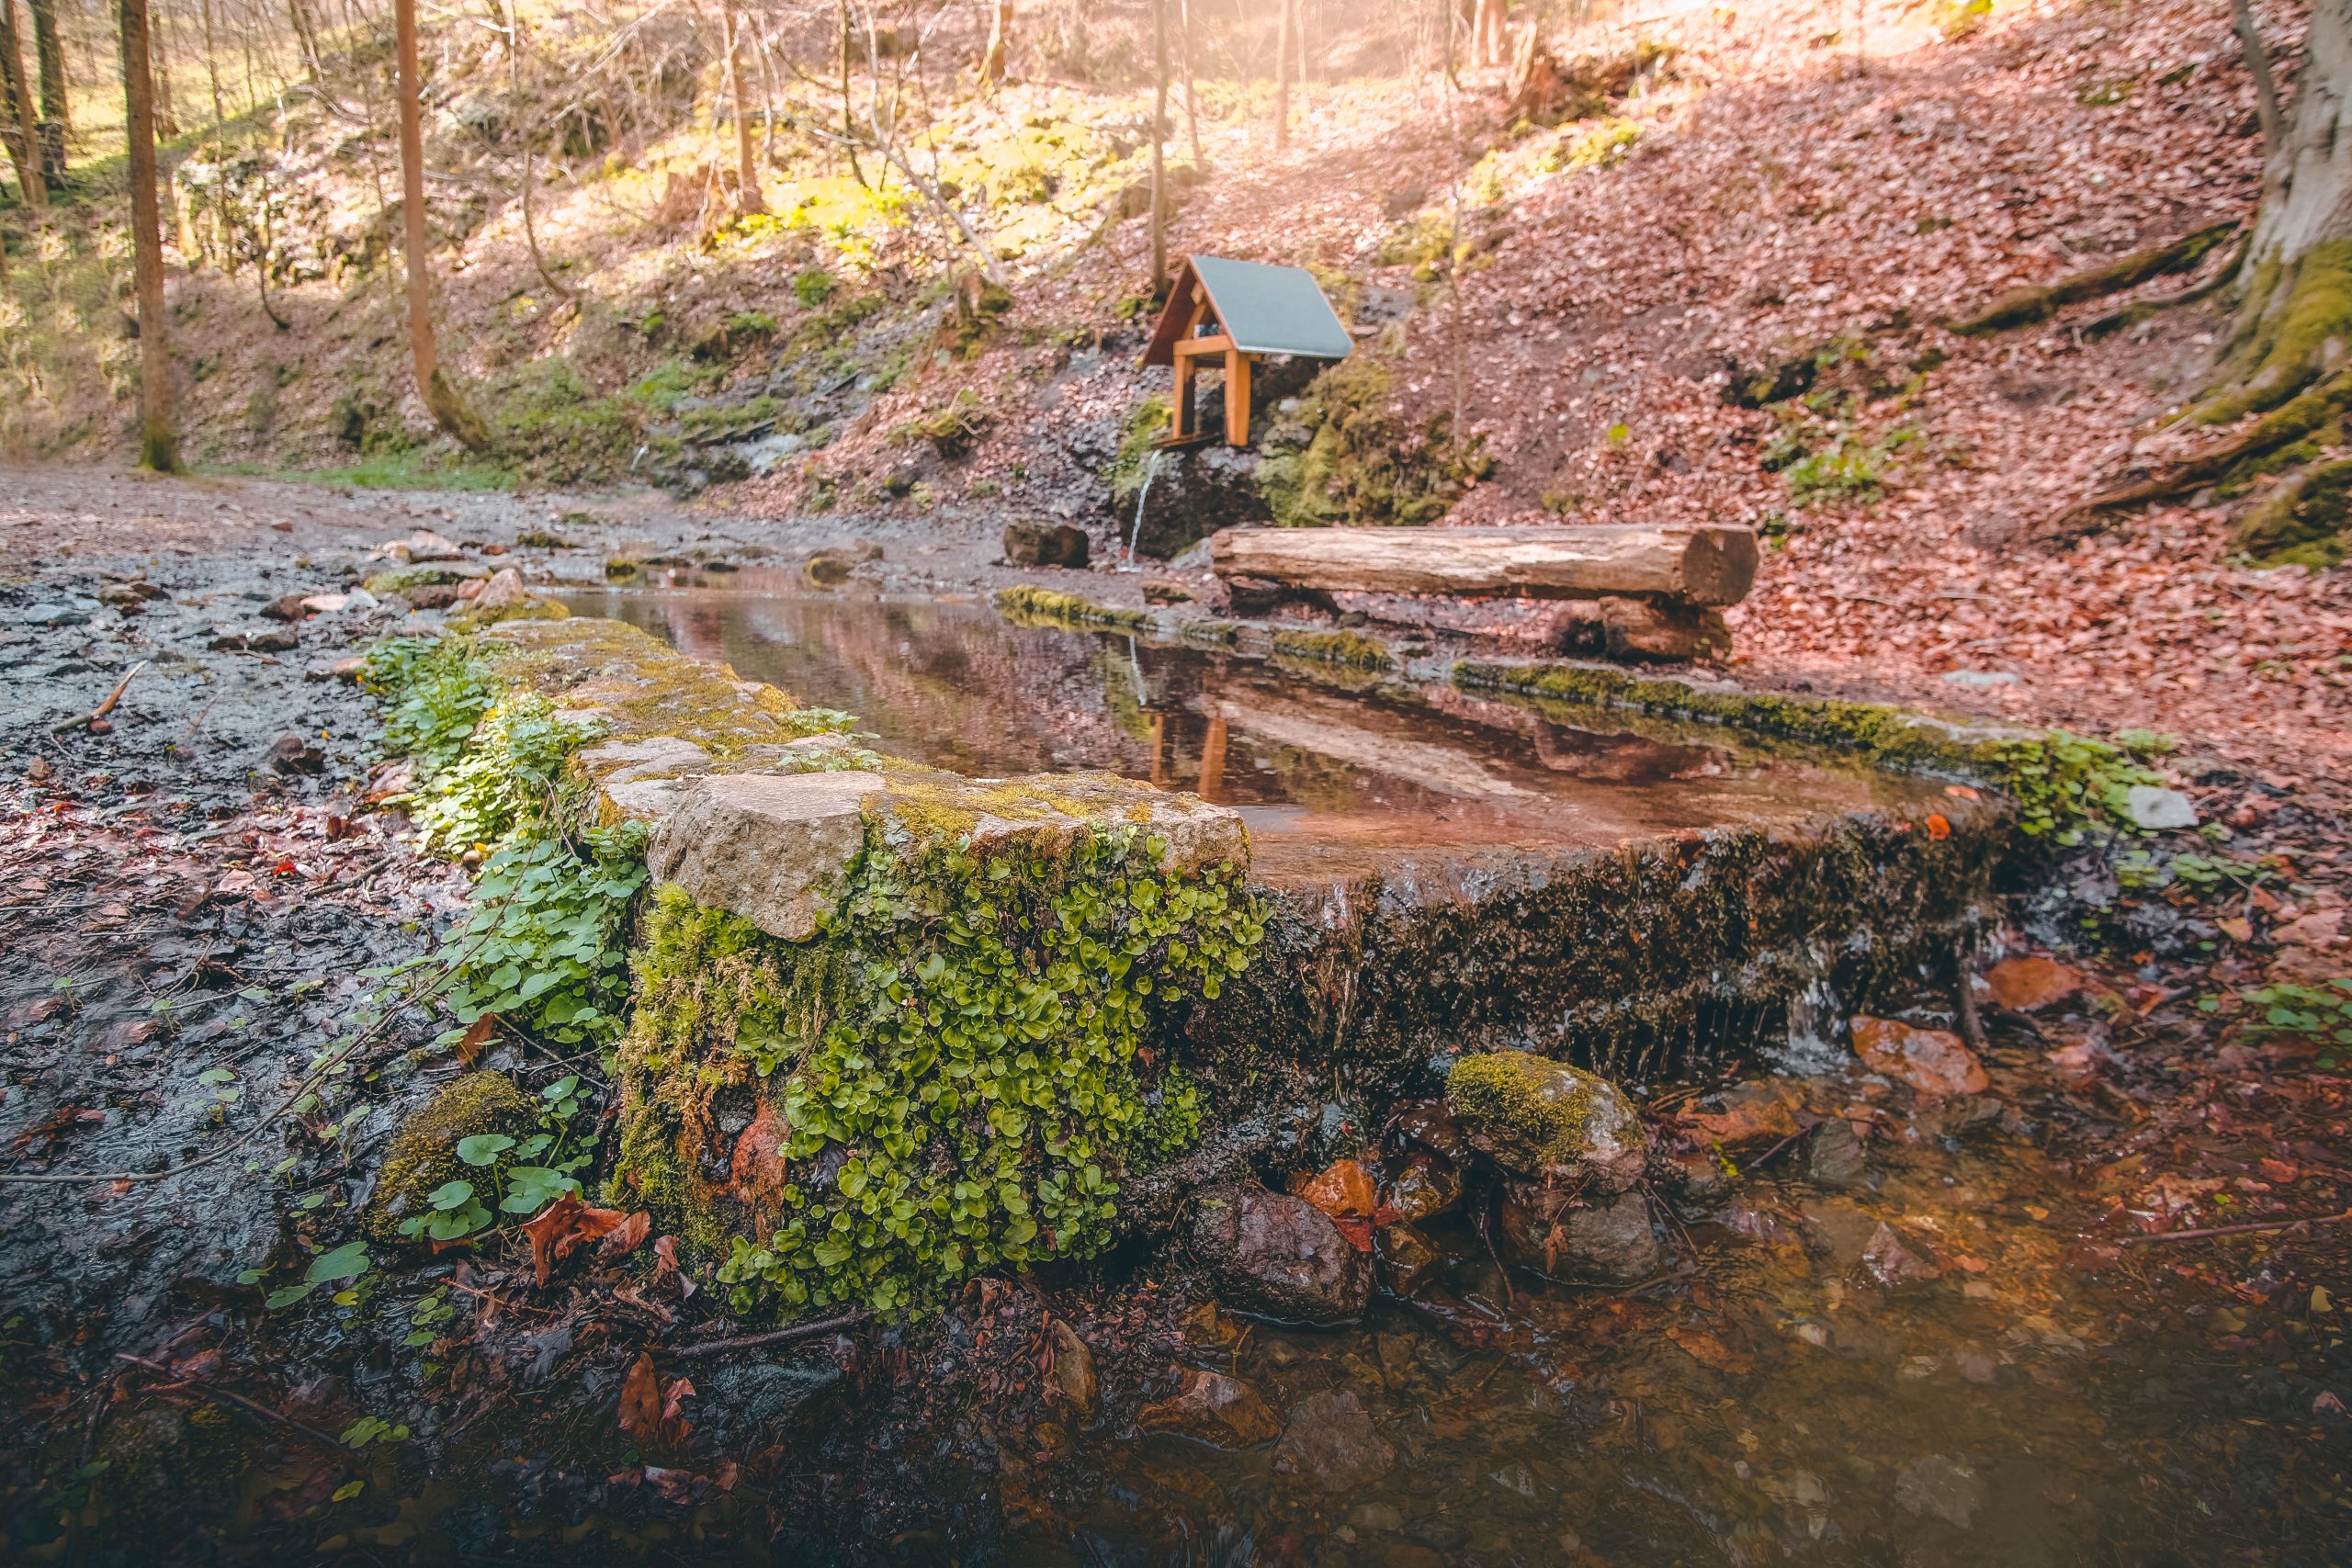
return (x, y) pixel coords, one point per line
(201, 915)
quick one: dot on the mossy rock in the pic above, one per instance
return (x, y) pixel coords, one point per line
(400, 579)
(1544, 1119)
(423, 1152)
(2301, 522)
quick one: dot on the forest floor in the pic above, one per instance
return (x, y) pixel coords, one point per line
(201, 901)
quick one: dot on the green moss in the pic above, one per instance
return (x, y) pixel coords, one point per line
(1351, 648)
(2301, 522)
(1543, 1113)
(951, 429)
(954, 1065)
(1029, 603)
(2285, 344)
(1347, 457)
(1147, 424)
(423, 1152)
(2064, 784)
(400, 579)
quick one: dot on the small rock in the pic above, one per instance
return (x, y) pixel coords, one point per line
(291, 607)
(502, 592)
(1549, 1229)
(1980, 678)
(1547, 1120)
(1426, 1185)
(2028, 984)
(1407, 1258)
(272, 639)
(1211, 1408)
(1758, 1111)
(1834, 1155)
(1073, 1385)
(2154, 809)
(1932, 1061)
(1892, 1263)
(826, 571)
(326, 603)
(1277, 1255)
(1943, 1488)
(1331, 1444)
(1031, 543)
(431, 595)
(1169, 590)
(57, 615)
(227, 642)
(292, 754)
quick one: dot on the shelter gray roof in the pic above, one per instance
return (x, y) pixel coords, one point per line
(1264, 308)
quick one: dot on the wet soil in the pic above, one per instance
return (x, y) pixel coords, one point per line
(1961, 1331)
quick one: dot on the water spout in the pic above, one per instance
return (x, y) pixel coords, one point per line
(1134, 534)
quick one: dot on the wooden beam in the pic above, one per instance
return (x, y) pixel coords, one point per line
(1688, 563)
(1195, 347)
(1237, 398)
(1180, 408)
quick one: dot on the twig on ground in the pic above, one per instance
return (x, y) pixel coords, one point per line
(104, 708)
(773, 1336)
(213, 1391)
(2252, 1228)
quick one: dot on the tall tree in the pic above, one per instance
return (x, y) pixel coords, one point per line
(24, 138)
(739, 93)
(1283, 66)
(56, 112)
(1160, 146)
(440, 394)
(158, 440)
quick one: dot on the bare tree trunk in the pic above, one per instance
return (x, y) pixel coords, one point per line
(1160, 147)
(1192, 100)
(158, 441)
(849, 131)
(1283, 74)
(515, 43)
(1487, 33)
(449, 410)
(24, 141)
(56, 109)
(991, 70)
(738, 92)
(2257, 65)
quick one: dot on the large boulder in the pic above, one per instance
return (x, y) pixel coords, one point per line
(1028, 542)
(1277, 1255)
(1546, 1120)
(1193, 492)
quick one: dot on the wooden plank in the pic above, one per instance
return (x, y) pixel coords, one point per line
(1237, 400)
(1690, 563)
(1199, 347)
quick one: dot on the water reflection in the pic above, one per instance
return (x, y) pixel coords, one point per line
(1330, 781)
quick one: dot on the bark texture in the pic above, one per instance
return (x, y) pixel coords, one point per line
(158, 439)
(1701, 564)
(441, 396)
(24, 132)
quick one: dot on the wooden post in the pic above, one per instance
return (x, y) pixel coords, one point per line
(1180, 407)
(1237, 397)
(1213, 760)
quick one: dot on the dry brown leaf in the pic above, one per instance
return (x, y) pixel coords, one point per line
(563, 1227)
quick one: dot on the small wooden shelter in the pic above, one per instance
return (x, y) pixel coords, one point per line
(1234, 311)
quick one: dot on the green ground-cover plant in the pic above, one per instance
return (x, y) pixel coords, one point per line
(955, 1064)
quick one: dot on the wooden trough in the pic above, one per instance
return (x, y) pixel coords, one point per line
(1661, 587)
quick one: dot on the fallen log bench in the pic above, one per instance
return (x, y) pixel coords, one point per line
(1657, 591)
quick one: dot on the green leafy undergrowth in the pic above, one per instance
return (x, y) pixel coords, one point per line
(522, 1175)
(952, 1073)
(544, 942)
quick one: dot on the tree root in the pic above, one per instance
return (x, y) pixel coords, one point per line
(2299, 418)
(2139, 311)
(2023, 307)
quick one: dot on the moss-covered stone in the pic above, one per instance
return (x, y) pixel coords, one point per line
(1351, 648)
(422, 1154)
(1027, 603)
(1546, 1119)
(426, 574)
(1347, 456)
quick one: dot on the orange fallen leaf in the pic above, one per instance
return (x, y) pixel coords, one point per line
(1931, 1060)
(1961, 792)
(2023, 984)
(1708, 1351)
(476, 1036)
(642, 1399)
(563, 1227)
(1344, 1189)
(1938, 828)
(626, 1238)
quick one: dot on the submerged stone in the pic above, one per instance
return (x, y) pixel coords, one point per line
(1610, 1241)
(1278, 1256)
(1212, 1409)
(1932, 1061)
(1331, 1444)
(1546, 1119)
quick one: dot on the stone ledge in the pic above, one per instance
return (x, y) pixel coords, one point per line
(750, 814)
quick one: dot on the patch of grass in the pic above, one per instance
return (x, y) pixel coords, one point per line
(390, 470)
